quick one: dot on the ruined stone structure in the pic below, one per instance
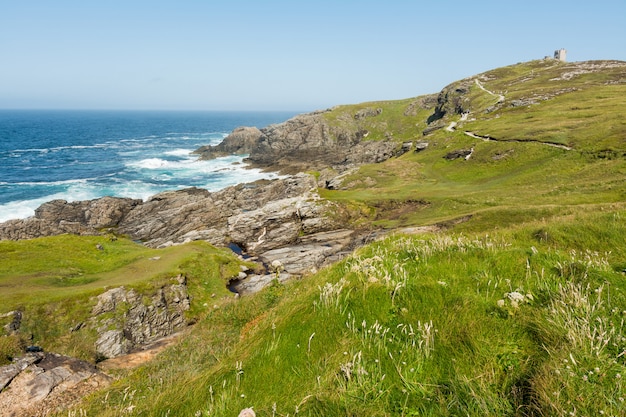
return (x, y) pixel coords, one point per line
(560, 54)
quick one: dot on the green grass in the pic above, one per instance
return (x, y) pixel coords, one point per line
(67, 265)
(401, 120)
(53, 282)
(414, 326)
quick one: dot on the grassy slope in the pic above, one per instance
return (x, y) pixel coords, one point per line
(56, 293)
(429, 325)
(415, 326)
(584, 112)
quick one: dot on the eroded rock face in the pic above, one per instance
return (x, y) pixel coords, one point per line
(39, 383)
(58, 216)
(282, 208)
(126, 319)
(451, 100)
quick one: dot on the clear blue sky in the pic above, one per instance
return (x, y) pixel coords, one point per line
(278, 55)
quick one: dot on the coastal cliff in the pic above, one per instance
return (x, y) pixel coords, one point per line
(312, 141)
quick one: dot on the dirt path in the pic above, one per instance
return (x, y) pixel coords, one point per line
(490, 139)
(500, 96)
(452, 126)
(487, 138)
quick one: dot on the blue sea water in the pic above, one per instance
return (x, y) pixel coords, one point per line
(80, 155)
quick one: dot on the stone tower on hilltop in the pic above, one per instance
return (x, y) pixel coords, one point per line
(560, 54)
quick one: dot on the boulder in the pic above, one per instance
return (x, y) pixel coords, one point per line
(421, 146)
(45, 381)
(461, 153)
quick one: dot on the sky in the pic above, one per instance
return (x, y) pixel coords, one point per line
(278, 55)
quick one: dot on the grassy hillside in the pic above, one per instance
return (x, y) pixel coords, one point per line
(518, 173)
(523, 321)
(516, 307)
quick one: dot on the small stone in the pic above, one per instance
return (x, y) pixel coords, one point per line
(247, 412)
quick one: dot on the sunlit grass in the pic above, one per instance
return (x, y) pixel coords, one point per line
(480, 324)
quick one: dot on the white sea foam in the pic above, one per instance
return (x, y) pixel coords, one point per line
(26, 208)
(132, 189)
(52, 183)
(37, 150)
(179, 152)
(150, 163)
(20, 209)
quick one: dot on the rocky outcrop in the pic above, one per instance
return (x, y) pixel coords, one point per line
(459, 153)
(81, 217)
(40, 383)
(280, 210)
(306, 142)
(368, 112)
(126, 320)
(451, 100)
(239, 142)
(13, 325)
(421, 103)
(306, 256)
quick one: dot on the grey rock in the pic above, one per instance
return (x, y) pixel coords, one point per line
(109, 300)
(173, 217)
(43, 380)
(311, 252)
(308, 142)
(427, 102)
(421, 146)
(255, 283)
(368, 112)
(461, 153)
(111, 343)
(138, 319)
(15, 323)
(8, 372)
(240, 141)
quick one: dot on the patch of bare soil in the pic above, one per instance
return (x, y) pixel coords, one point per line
(395, 209)
(135, 359)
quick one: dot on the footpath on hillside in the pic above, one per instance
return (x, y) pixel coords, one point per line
(452, 126)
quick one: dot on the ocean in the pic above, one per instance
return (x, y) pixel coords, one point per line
(82, 155)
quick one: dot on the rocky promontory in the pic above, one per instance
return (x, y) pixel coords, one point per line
(306, 142)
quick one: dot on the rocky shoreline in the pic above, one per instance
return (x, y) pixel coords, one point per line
(282, 220)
